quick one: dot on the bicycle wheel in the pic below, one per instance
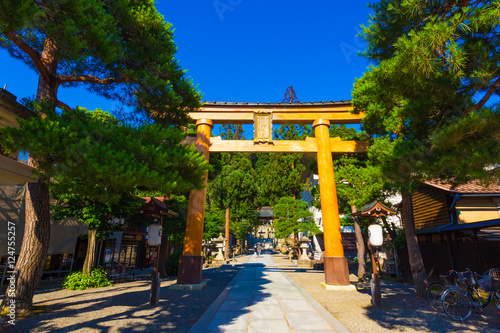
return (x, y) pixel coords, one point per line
(457, 304)
(433, 295)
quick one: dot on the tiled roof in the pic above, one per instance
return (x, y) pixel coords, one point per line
(155, 207)
(374, 208)
(472, 187)
(148, 199)
(265, 211)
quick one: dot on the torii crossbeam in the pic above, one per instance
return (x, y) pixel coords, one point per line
(263, 116)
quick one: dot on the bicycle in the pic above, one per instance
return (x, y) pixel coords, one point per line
(458, 303)
(435, 290)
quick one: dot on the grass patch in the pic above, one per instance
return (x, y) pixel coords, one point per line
(36, 310)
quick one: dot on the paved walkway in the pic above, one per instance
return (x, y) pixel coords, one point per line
(261, 298)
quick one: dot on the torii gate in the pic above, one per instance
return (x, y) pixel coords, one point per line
(263, 116)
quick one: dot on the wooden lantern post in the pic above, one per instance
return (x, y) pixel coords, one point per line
(376, 284)
(155, 283)
(156, 208)
(374, 209)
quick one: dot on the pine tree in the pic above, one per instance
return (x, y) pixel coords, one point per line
(431, 60)
(292, 216)
(119, 49)
(235, 188)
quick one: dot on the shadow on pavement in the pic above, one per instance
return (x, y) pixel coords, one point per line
(125, 307)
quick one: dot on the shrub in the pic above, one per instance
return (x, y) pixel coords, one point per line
(78, 281)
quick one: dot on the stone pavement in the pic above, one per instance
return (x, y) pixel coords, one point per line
(261, 298)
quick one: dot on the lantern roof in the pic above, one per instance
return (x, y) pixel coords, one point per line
(220, 238)
(374, 209)
(155, 207)
(304, 239)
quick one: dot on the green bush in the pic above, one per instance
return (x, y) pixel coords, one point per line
(78, 281)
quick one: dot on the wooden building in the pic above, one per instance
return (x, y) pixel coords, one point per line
(458, 227)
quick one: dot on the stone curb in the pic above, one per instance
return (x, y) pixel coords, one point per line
(202, 323)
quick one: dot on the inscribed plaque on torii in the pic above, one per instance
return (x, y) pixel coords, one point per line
(263, 127)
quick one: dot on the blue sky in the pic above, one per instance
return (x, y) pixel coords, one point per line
(242, 50)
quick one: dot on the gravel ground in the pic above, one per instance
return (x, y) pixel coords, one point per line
(401, 311)
(124, 307)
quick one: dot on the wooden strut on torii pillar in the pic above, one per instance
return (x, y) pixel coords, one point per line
(263, 116)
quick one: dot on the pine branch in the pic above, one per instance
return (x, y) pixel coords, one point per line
(91, 79)
(485, 98)
(32, 53)
(63, 106)
(39, 3)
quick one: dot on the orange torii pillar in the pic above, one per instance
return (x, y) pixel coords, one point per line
(191, 261)
(336, 269)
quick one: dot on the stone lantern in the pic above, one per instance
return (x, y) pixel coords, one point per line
(219, 243)
(304, 241)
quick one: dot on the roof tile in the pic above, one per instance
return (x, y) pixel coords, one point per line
(472, 187)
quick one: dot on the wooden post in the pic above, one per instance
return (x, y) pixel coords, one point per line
(376, 284)
(336, 269)
(155, 285)
(190, 263)
(226, 248)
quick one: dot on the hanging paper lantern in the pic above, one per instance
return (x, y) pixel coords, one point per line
(154, 234)
(375, 235)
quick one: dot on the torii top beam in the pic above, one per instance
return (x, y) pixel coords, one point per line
(282, 113)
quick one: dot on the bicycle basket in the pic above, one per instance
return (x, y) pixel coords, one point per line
(486, 284)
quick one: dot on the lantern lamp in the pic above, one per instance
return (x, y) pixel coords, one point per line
(154, 234)
(375, 235)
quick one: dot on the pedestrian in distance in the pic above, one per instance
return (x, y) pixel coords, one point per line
(259, 249)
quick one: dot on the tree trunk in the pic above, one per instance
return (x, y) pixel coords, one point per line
(360, 245)
(88, 264)
(34, 246)
(296, 245)
(162, 258)
(37, 210)
(416, 263)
